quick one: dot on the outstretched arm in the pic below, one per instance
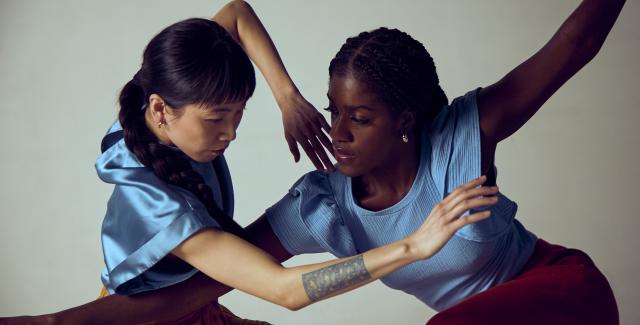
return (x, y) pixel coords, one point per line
(509, 103)
(167, 303)
(302, 122)
(232, 261)
(252, 270)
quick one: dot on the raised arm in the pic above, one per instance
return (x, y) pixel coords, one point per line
(302, 122)
(509, 103)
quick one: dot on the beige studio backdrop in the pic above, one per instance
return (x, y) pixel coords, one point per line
(572, 168)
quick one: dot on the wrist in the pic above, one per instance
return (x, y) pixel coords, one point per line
(285, 93)
(409, 249)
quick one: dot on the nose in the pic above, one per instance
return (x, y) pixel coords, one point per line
(340, 130)
(228, 134)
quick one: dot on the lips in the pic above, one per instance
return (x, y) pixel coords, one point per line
(343, 155)
(219, 151)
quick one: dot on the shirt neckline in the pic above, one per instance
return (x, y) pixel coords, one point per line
(417, 185)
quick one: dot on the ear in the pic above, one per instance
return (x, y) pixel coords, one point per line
(407, 121)
(158, 108)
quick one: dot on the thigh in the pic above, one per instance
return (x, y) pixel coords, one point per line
(560, 286)
(211, 314)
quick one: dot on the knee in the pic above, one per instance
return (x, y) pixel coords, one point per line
(596, 295)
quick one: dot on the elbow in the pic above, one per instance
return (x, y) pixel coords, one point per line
(588, 48)
(294, 305)
(583, 48)
(296, 308)
(291, 301)
(287, 291)
(239, 6)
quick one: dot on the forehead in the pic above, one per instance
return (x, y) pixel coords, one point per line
(217, 109)
(349, 91)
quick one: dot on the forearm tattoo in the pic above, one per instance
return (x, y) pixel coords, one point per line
(322, 282)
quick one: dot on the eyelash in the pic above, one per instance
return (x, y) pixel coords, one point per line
(355, 120)
(330, 110)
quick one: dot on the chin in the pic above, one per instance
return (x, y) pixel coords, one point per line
(349, 171)
(203, 158)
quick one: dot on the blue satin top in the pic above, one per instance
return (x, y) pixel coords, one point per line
(147, 218)
(320, 214)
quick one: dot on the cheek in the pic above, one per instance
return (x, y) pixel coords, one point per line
(188, 135)
(205, 137)
(373, 139)
(238, 119)
(375, 147)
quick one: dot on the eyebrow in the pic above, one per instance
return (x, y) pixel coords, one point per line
(223, 109)
(353, 107)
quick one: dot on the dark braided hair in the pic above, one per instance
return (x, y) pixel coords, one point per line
(194, 61)
(397, 67)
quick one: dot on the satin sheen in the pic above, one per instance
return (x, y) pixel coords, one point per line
(147, 218)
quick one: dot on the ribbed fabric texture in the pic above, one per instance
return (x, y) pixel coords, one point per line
(319, 214)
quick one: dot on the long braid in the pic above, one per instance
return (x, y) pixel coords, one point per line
(168, 164)
(192, 61)
(397, 67)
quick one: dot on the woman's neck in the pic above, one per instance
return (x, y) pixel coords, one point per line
(388, 184)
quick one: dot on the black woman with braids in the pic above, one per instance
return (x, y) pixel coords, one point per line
(404, 154)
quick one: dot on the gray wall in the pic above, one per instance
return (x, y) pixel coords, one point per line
(572, 168)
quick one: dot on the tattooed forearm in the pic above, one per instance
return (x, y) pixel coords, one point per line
(325, 281)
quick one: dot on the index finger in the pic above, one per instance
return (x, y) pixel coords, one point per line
(325, 141)
(466, 186)
(323, 123)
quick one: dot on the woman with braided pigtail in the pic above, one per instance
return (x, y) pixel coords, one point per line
(166, 162)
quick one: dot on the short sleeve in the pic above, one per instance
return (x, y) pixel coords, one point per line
(308, 218)
(145, 220)
(455, 142)
(456, 159)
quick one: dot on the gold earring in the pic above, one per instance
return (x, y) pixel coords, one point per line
(160, 124)
(405, 138)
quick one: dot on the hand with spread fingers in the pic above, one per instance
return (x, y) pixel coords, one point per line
(446, 217)
(304, 125)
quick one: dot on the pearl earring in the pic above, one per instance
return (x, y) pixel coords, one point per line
(405, 138)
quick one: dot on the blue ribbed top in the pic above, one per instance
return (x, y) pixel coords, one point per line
(320, 214)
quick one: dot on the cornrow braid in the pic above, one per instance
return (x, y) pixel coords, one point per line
(194, 61)
(397, 67)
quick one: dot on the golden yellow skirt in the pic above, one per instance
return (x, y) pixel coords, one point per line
(211, 314)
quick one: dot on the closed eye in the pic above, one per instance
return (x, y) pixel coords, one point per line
(359, 121)
(331, 110)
